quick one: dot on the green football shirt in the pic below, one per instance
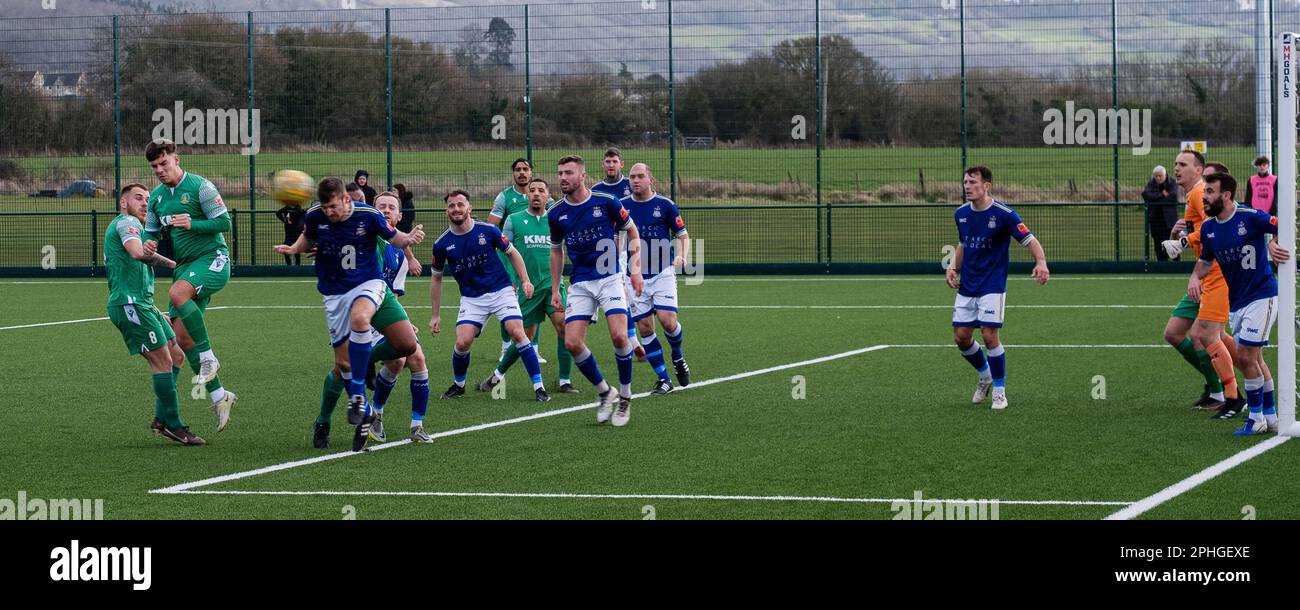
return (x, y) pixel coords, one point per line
(130, 282)
(531, 236)
(193, 195)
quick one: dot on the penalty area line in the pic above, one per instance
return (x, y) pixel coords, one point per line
(183, 487)
(1177, 489)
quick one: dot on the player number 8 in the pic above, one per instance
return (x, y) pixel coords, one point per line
(152, 337)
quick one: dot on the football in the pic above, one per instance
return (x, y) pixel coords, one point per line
(292, 187)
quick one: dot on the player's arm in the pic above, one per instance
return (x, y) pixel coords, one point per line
(129, 233)
(152, 226)
(497, 215)
(405, 240)
(215, 217)
(954, 268)
(677, 228)
(1040, 272)
(1268, 223)
(300, 245)
(1199, 272)
(521, 271)
(413, 264)
(435, 291)
(557, 269)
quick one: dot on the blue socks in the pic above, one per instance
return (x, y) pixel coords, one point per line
(587, 366)
(383, 388)
(998, 366)
(419, 396)
(359, 360)
(1255, 397)
(459, 366)
(528, 354)
(1270, 406)
(675, 341)
(624, 359)
(654, 354)
(975, 356)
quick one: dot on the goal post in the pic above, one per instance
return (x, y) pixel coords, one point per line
(1286, 234)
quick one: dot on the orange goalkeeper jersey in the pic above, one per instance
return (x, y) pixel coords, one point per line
(1195, 216)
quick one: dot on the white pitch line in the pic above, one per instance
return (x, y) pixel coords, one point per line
(52, 323)
(1177, 489)
(496, 424)
(591, 496)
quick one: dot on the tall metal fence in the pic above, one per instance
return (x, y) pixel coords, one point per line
(805, 132)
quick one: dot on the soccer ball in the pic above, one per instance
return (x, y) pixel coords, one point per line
(292, 187)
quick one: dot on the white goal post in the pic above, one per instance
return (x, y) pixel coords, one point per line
(1286, 234)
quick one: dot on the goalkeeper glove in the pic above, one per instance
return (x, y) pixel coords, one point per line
(1174, 247)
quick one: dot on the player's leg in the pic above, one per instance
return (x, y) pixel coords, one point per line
(221, 399)
(1207, 332)
(465, 334)
(641, 310)
(1178, 334)
(533, 311)
(562, 355)
(580, 310)
(663, 298)
(385, 381)
(331, 390)
(419, 394)
(164, 388)
(624, 348)
(965, 319)
(399, 333)
(505, 306)
(1252, 326)
(515, 329)
(997, 358)
(654, 351)
(189, 296)
(360, 340)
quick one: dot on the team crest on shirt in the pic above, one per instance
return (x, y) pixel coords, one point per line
(993, 224)
(185, 198)
(1241, 228)
(657, 213)
(361, 230)
(595, 213)
(482, 241)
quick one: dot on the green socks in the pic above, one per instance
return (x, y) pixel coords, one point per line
(329, 398)
(565, 358)
(192, 317)
(167, 409)
(1201, 362)
(508, 359)
(382, 352)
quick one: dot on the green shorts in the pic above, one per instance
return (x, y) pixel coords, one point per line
(208, 275)
(537, 309)
(388, 313)
(1186, 308)
(143, 327)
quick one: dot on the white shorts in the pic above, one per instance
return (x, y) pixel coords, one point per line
(1251, 325)
(502, 303)
(986, 311)
(586, 297)
(338, 308)
(659, 294)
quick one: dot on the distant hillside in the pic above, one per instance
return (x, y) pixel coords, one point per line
(909, 38)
